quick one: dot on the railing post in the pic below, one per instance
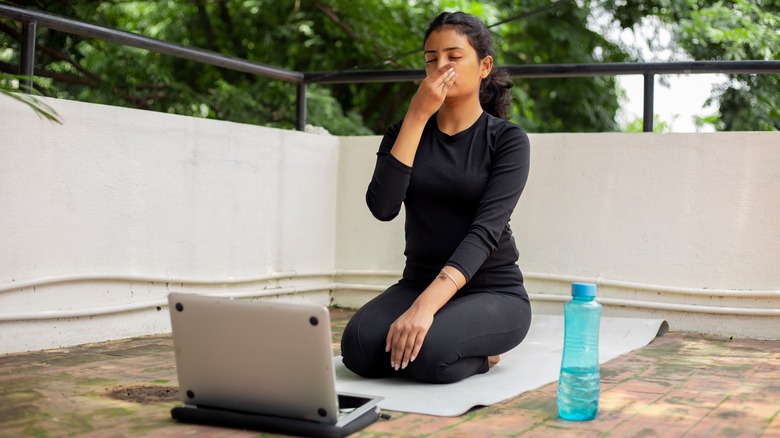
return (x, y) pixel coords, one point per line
(27, 63)
(300, 108)
(647, 115)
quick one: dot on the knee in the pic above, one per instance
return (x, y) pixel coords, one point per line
(358, 351)
(350, 346)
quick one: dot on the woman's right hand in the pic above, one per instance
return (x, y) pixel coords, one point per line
(426, 101)
(432, 91)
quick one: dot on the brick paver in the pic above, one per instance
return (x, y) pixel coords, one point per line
(679, 385)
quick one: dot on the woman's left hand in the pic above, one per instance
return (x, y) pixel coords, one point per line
(406, 336)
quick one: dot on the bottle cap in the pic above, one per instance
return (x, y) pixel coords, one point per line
(584, 290)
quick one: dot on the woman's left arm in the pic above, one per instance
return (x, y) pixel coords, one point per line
(507, 179)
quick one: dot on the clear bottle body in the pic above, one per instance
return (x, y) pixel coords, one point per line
(579, 381)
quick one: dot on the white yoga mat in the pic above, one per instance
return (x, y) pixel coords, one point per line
(532, 364)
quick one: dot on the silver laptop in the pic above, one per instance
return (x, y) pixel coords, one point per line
(259, 357)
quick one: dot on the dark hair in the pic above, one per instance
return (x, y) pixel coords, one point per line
(495, 94)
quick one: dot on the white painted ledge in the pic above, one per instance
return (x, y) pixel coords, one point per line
(352, 288)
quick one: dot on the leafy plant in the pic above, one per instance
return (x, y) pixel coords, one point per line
(637, 125)
(10, 85)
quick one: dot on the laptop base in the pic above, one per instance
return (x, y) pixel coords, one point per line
(268, 423)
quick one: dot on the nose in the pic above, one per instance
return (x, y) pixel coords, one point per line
(442, 62)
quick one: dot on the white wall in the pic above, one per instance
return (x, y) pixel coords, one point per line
(114, 194)
(677, 226)
(692, 218)
(696, 210)
(102, 216)
(364, 243)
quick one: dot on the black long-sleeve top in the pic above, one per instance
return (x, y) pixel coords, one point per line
(458, 197)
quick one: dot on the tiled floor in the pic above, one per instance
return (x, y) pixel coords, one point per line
(679, 385)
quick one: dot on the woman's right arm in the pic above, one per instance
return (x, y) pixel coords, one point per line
(387, 189)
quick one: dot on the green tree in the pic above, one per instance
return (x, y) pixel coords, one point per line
(316, 35)
(303, 36)
(338, 35)
(559, 35)
(723, 30)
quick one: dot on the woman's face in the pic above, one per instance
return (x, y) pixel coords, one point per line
(447, 45)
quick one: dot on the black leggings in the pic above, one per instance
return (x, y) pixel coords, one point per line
(464, 333)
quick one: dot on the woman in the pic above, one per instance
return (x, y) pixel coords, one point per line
(458, 167)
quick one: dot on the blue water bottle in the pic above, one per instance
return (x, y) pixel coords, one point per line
(578, 384)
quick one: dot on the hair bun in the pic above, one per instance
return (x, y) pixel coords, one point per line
(494, 94)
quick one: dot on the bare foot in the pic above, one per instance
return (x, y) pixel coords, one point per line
(493, 360)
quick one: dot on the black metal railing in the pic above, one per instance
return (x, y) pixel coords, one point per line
(30, 20)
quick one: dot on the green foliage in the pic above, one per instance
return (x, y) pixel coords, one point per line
(723, 30)
(711, 120)
(339, 35)
(559, 36)
(638, 125)
(323, 106)
(14, 87)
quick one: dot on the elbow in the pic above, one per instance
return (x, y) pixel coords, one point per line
(385, 216)
(381, 212)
